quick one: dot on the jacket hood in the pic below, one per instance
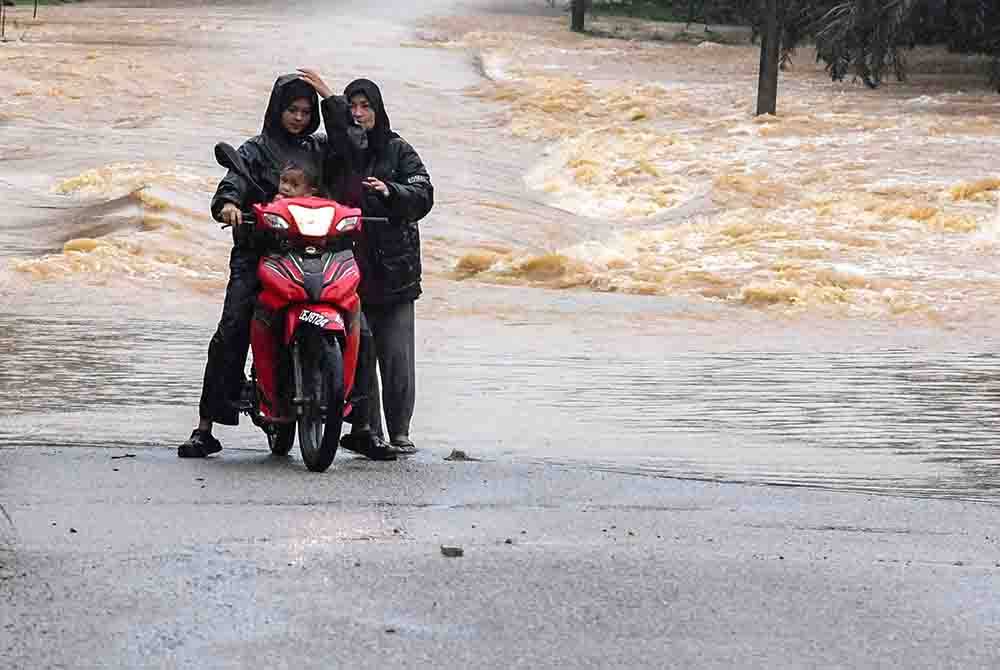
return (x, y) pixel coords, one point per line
(287, 88)
(380, 135)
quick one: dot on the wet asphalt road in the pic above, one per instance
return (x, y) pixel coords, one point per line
(130, 558)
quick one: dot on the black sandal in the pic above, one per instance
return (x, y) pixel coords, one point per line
(199, 445)
(403, 446)
(368, 446)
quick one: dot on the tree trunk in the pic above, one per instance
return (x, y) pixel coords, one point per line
(579, 9)
(770, 49)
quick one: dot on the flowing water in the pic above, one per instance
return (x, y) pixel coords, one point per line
(627, 270)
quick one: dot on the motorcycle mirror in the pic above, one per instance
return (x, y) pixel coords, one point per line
(229, 158)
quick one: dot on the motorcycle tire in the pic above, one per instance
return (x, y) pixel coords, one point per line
(281, 438)
(321, 420)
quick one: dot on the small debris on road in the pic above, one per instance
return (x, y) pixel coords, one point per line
(451, 552)
(459, 455)
(115, 458)
(72, 530)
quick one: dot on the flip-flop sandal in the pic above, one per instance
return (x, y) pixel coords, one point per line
(403, 446)
(368, 446)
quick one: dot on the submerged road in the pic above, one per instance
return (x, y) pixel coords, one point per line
(115, 554)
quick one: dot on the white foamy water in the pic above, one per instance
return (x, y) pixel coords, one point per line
(693, 196)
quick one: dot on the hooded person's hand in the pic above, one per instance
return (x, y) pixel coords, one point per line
(373, 184)
(313, 78)
(231, 215)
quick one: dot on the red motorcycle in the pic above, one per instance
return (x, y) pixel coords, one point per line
(306, 326)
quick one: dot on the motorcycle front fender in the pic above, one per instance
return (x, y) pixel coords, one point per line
(324, 317)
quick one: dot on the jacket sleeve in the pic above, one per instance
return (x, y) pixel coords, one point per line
(344, 136)
(411, 196)
(346, 143)
(234, 188)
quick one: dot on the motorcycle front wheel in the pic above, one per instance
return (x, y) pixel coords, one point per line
(319, 368)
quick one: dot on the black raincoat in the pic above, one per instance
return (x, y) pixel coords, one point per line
(389, 254)
(267, 153)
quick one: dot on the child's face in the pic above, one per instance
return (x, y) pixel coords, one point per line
(293, 184)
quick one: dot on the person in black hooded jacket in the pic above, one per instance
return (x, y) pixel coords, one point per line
(291, 118)
(384, 176)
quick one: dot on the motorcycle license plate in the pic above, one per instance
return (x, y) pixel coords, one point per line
(317, 319)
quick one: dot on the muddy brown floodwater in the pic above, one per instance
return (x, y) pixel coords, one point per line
(627, 271)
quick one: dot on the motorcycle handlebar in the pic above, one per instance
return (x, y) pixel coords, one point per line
(249, 216)
(245, 234)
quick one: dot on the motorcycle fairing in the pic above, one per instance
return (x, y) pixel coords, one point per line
(282, 281)
(266, 338)
(340, 280)
(329, 276)
(264, 342)
(309, 218)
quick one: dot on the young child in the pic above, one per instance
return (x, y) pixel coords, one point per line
(297, 181)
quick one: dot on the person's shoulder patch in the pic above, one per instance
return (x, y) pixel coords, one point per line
(419, 179)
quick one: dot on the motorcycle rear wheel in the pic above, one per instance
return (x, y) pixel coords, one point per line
(321, 419)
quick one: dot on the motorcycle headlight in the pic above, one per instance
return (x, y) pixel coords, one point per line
(348, 223)
(276, 222)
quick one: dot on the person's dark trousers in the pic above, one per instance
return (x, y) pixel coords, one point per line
(227, 353)
(392, 329)
(364, 374)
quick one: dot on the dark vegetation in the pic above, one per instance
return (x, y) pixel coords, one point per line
(863, 38)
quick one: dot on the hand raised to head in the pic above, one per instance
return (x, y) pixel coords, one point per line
(313, 78)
